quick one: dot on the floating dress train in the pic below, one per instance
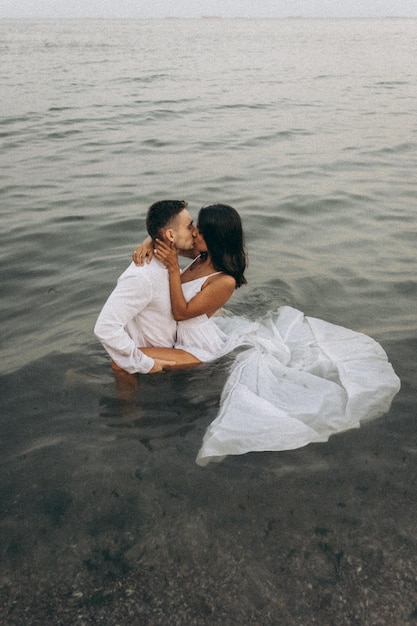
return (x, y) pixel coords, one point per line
(299, 380)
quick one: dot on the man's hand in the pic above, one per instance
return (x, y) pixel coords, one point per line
(160, 365)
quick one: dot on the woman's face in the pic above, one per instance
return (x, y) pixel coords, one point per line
(199, 242)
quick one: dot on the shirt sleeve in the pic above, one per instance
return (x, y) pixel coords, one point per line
(131, 295)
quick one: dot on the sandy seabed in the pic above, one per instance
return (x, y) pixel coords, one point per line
(115, 524)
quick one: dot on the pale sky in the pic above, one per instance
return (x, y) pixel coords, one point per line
(199, 8)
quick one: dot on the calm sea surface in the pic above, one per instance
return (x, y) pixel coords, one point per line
(308, 128)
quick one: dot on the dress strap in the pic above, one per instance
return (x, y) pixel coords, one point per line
(190, 264)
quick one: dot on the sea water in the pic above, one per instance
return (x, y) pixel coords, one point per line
(308, 128)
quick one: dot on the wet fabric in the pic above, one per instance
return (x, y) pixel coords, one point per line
(299, 381)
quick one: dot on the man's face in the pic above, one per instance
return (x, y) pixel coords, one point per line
(182, 231)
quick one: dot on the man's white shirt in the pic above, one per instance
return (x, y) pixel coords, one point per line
(137, 314)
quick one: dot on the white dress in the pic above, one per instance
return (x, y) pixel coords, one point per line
(300, 381)
(201, 336)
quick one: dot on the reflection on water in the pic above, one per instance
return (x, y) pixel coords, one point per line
(152, 408)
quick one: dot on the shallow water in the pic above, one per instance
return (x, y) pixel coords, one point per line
(307, 127)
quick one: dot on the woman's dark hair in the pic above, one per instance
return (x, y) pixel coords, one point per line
(221, 227)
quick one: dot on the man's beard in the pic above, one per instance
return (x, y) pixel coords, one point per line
(189, 254)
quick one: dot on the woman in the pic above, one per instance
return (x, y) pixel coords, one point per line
(203, 287)
(303, 379)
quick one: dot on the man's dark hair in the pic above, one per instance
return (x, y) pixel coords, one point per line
(160, 214)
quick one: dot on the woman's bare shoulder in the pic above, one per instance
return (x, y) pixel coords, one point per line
(221, 280)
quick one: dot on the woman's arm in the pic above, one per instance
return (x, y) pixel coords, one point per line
(144, 252)
(214, 294)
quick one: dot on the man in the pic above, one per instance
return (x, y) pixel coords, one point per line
(138, 311)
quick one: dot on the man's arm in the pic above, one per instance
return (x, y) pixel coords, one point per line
(131, 295)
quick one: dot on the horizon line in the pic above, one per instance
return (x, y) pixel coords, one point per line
(207, 17)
